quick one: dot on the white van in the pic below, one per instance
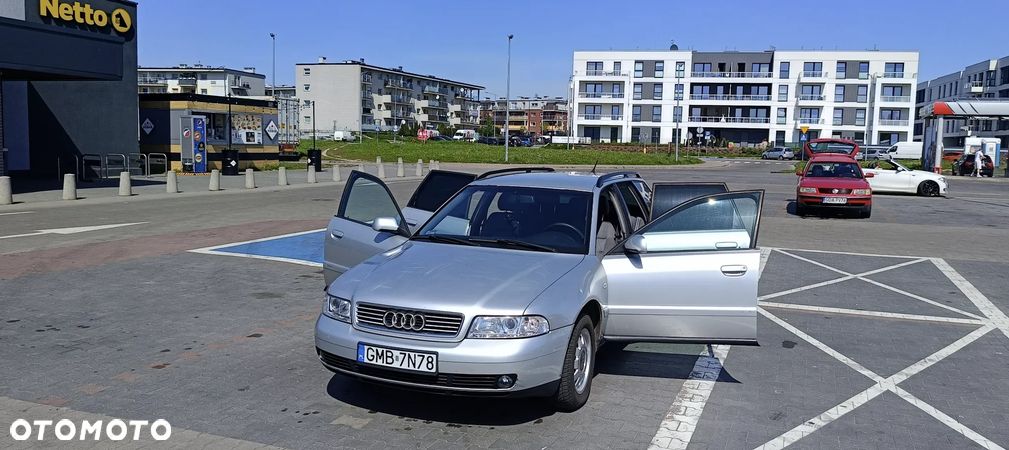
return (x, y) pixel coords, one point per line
(903, 150)
(465, 135)
(343, 136)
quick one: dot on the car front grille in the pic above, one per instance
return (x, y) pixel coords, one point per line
(426, 322)
(831, 191)
(447, 380)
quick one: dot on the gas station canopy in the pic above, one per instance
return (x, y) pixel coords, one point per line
(966, 108)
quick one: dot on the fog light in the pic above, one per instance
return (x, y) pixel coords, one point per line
(505, 381)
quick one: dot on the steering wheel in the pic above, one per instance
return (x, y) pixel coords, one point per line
(568, 229)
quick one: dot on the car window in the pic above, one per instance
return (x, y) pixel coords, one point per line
(667, 196)
(833, 170)
(436, 189)
(366, 201)
(635, 209)
(717, 222)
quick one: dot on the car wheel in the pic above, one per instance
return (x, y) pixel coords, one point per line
(866, 212)
(781, 158)
(928, 189)
(579, 362)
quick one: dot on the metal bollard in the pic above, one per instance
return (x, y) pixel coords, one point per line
(6, 194)
(336, 172)
(381, 167)
(420, 167)
(69, 186)
(311, 175)
(282, 176)
(400, 170)
(215, 180)
(250, 179)
(125, 184)
(171, 182)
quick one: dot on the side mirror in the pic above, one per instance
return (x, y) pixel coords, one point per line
(798, 172)
(869, 174)
(636, 244)
(385, 224)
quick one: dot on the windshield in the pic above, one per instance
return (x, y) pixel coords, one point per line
(832, 147)
(833, 170)
(522, 218)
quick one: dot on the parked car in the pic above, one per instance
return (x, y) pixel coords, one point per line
(466, 135)
(964, 166)
(891, 176)
(489, 140)
(343, 136)
(830, 145)
(905, 150)
(871, 152)
(521, 141)
(778, 153)
(833, 182)
(512, 284)
(440, 138)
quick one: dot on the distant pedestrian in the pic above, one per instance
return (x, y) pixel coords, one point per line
(978, 162)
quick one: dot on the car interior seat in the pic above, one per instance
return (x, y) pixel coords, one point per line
(606, 236)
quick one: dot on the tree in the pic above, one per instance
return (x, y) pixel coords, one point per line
(446, 130)
(487, 128)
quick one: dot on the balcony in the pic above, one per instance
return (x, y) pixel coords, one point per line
(396, 84)
(893, 74)
(600, 95)
(809, 121)
(893, 122)
(731, 74)
(811, 98)
(187, 81)
(601, 117)
(782, 121)
(724, 119)
(399, 99)
(604, 73)
(813, 74)
(895, 99)
(761, 98)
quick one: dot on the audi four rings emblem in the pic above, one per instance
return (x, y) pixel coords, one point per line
(403, 321)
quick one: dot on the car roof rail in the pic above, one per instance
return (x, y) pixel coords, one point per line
(499, 172)
(615, 175)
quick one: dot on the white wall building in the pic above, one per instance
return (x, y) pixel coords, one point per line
(743, 97)
(200, 79)
(988, 79)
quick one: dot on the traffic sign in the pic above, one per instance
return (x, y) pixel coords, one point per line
(804, 129)
(147, 126)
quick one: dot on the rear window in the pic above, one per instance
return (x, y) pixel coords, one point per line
(833, 170)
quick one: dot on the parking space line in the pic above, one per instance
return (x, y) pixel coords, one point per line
(15, 213)
(920, 298)
(881, 314)
(997, 317)
(765, 252)
(270, 238)
(677, 427)
(945, 419)
(820, 345)
(850, 253)
(838, 280)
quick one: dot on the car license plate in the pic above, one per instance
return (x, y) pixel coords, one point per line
(397, 359)
(835, 200)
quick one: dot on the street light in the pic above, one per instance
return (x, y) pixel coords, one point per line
(273, 37)
(508, 86)
(571, 94)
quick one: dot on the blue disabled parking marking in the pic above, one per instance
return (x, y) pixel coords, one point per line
(303, 248)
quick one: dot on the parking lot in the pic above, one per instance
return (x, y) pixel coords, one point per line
(199, 309)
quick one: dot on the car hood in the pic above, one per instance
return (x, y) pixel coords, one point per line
(841, 183)
(460, 278)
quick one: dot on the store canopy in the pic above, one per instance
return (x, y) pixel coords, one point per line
(31, 51)
(967, 109)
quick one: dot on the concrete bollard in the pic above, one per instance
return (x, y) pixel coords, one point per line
(336, 173)
(437, 165)
(282, 176)
(360, 167)
(125, 184)
(215, 180)
(312, 178)
(400, 171)
(6, 194)
(430, 165)
(69, 186)
(381, 167)
(171, 182)
(420, 167)
(250, 179)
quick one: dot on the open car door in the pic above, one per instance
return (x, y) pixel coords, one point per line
(436, 189)
(666, 195)
(689, 275)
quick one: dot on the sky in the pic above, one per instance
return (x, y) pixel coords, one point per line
(466, 40)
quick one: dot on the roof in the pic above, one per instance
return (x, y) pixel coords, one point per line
(234, 100)
(966, 108)
(575, 181)
(200, 69)
(391, 70)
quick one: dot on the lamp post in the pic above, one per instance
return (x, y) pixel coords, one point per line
(273, 37)
(228, 93)
(676, 117)
(567, 106)
(508, 86)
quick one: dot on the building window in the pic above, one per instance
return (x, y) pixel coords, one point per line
(615, 112)
(681, 66)
(308, 87)
(307, 71)
(702, 67)
(863, 94)
(783, 93)
(842, 68)
(639, 69)
(838, 116)
(863, 70)
(636, 113)
(615, 89)
(635, 134)
(893, 70)
(812, 92)
(761, 68)
(678, 92)
(594, 68)
(812, 69)
(637, 91)
(779, 137)
(783, 70)
(656, 113)
(893, 91)
(839, 93)
(616, 67)
(677, 113)
(890, 114)
(660, 69)
(657, 91)
(203, 91)
(860, 117)
(782, 115)
(810, 115)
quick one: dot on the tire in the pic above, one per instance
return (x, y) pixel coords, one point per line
(866, 212)
(568, 397)
(928, 189)
(781, 158)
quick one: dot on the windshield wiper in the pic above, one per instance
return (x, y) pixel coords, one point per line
(444, 239)
(521, 244)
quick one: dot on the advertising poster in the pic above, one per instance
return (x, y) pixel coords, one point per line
(247, 129)
(199, 135)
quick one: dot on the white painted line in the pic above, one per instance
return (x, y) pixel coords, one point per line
(263, 257)
(677, 428)
(946, 420)
(72, 230)
(820, 345)
(837, 280)
(880, 314)
(764, 254)
(21, 235)
(849, 253)
(279, 236)
(15, 213)
(998, 318)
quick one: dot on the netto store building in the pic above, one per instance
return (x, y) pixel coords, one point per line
(68, 83)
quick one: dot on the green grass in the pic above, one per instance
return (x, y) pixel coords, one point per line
(469, 152)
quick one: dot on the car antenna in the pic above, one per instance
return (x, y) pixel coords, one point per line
(594, 167)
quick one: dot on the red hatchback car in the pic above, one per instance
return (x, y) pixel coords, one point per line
(833, 181)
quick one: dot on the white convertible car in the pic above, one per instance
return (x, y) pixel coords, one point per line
(890, 176)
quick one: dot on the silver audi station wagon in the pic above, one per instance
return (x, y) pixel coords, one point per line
(506, 283)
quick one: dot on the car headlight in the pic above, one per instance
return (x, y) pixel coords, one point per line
(508, 327)
(337, 308)
(861, 191)
(942, 180)
(807, 190)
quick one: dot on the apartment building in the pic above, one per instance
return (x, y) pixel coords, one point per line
(743, 97)
(354, 96)
(535, 115)
(200, 79)
(988, 79)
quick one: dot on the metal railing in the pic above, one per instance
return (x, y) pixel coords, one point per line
(809, 120)
(729, 119)
(893, 122)
(731, 74)
(730, 97)
(601, 116)
(123, 165)
(811, 97)
(601, 95)
(895, 98)
(157, 159)
(813, 74)
(138, 164)
(893, 74)
(604, 73)
(398, 84)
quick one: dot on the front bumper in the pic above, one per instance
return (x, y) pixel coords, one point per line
(467, 367)
(816, 201)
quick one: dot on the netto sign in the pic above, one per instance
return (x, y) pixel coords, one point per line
(84, 14)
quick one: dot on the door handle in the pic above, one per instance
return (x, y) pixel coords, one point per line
(734, 270)
(727, 244)
(337, 234)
